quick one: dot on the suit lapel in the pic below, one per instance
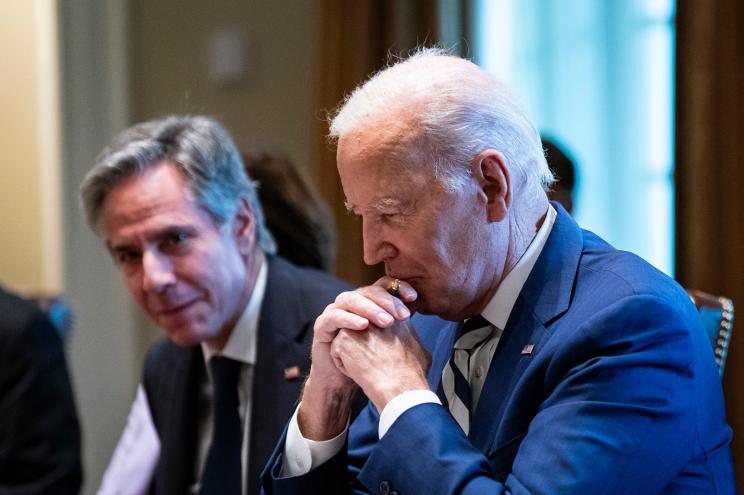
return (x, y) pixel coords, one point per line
(545, 296)
(507, 366)
(284, 335)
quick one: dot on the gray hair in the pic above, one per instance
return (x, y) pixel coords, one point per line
(201, 149)
(460, 111)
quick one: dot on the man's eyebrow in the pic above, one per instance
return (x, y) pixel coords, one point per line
(119, 248)
(155, 237)
(170, 231)
(387, 203)
(380, 204)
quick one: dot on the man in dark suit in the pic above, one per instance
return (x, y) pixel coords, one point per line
(181, 220)
(39, 430)
(558, 364)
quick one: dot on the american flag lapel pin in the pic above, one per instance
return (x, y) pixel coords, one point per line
(292, 373)
(527, 350)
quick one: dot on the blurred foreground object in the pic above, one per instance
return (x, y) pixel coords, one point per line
(39, 431)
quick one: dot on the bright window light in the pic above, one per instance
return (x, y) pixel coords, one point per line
(598, 77)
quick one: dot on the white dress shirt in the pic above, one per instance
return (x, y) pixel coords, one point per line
(301, 455)
(138, 451)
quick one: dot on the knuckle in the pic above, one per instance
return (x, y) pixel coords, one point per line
(337, 346)
(319, 323)
(322, 317)
(344, 297)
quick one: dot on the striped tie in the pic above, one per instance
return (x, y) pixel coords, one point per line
(455, 374)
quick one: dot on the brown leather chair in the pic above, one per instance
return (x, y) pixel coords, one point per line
(717, 313)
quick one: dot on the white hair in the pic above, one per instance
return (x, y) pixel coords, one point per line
(458, 111)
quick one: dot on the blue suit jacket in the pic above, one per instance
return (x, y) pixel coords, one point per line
(619, 395)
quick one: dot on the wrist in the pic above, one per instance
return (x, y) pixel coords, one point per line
(324, 411)
(402, 403)
(385, 391)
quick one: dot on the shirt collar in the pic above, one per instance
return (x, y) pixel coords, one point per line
(241, 345)
(500, 306)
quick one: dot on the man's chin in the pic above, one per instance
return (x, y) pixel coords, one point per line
(423, 309)
(183, 338)
(434, 308)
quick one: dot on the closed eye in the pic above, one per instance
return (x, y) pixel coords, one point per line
(392, 217)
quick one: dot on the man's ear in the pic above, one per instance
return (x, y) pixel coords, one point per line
(492, 175)
(244, 227)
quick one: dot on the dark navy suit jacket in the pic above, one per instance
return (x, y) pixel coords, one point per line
(294, 297)
(620, 394)
(39, 428)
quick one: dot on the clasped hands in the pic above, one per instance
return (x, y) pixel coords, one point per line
(363, 339)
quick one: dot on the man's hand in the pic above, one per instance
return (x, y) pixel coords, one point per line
(326, 399)
(385, 362)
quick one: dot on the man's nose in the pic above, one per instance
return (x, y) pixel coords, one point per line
(376, 247)
(157, 272)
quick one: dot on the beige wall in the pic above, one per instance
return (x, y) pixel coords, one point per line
(31, 239)
(101, 352)
(273, 107)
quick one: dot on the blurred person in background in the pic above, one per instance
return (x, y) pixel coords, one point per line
(299, 220)
(564, 171)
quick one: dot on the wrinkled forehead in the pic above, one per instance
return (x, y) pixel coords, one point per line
(140, 195)
(363, 160)
(375, 183)
(391, 127)
(393, 138)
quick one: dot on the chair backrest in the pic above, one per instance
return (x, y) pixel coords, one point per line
(58, 312)
(717, 313)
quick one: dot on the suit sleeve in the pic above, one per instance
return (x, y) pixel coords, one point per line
(39, 430)
(613, 415)
(337, 475)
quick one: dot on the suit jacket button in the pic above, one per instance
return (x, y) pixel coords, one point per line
(394, 492)
(384, 488)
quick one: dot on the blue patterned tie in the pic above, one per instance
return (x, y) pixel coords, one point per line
(455, 383)
(222, 470)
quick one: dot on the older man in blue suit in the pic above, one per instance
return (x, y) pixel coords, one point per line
(558, 364)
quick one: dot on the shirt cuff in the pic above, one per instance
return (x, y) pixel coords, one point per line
(302, 455)
(402, 403)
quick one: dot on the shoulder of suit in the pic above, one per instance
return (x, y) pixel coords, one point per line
(22, 320)
(622, 273)
(306, 278)
(16, 311)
